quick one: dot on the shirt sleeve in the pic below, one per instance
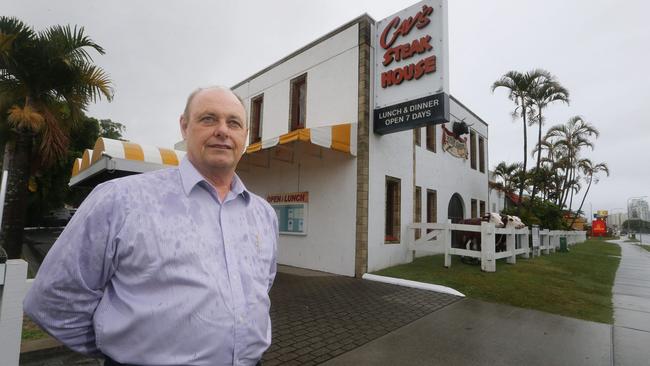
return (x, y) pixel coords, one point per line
(71, 281)
(276, 236)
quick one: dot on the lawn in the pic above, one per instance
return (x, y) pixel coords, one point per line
(577, 284)
(646, 247)
(31, 331)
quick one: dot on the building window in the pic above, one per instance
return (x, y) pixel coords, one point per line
(482, 208)
(481, 154)
(298, 102)
(393, 209)
(431, 138)
(432, 206)
(257, 107)
(417, 135)
(417, 209)
(474, 208)
(472, 149)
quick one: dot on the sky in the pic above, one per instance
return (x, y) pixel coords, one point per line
(157, 52)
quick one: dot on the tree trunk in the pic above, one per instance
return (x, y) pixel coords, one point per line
(523, 171)
(575, 217)
(539, 154)
(15, 209)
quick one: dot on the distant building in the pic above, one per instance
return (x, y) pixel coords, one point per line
(638, 209)
(616, 220)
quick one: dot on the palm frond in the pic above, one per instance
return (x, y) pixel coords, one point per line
(25, 118)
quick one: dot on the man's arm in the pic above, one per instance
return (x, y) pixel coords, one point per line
(276, 237)
(70, 282)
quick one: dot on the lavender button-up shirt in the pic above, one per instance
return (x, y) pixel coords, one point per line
(154, 269)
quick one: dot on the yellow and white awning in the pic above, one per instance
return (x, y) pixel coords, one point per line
(341, 137)
(113, 158)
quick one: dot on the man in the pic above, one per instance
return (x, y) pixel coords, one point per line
(171, 267)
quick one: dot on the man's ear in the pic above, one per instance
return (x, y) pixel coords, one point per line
(183, 124)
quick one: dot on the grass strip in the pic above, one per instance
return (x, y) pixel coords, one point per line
(577, 284)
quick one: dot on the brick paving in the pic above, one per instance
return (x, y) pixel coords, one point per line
(317, 318)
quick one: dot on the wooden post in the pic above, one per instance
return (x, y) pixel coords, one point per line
(511, 247)
(12, 293)
(446, 236)
(523, 240)
(536, 242)
(488, 263)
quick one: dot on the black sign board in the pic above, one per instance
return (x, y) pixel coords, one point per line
(430, 110)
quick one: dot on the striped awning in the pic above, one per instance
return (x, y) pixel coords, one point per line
(341, 137)
(121, 157)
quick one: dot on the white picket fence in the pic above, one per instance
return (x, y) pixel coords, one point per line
(13, 288)
(437, 238)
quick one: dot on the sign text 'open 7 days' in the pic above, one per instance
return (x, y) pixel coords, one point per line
(411, 68)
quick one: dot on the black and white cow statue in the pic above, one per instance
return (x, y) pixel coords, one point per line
(471, 240)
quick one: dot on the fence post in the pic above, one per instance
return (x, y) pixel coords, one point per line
(411, 242)
(535, 235)
(511, 247)
(446, 234)
(525, 242)
(546, 242)
(12, 292)
(488, 263)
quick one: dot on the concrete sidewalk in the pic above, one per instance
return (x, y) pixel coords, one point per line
(632, 306)
(472, 332)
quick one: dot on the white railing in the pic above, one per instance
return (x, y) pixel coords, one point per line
(437, 238)
(13, 288)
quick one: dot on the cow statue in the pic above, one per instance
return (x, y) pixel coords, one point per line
(472, 240)
(460, 128)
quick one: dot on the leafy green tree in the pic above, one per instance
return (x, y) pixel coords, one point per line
(507, 172)
(590, 170)
(49, 78)
(569, 139)
(110, 129)
(549, 90)
(520, 86)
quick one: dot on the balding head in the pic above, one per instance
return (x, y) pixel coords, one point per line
(190, 98)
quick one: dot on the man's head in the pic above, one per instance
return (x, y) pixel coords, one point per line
(214, 127)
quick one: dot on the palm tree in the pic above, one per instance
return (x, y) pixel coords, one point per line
(520, 86)
(50, 79)
(590, 170)
(547, 92)
(570, 138)
(507, 173)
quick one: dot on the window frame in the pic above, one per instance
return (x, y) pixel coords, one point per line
(431, 137)
(481, 154)
(256, 119)
(472, 149)
(295, 106)
(393, 208)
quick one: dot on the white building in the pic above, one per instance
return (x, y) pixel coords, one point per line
(616, 220)
(638, 209)
(358, 205)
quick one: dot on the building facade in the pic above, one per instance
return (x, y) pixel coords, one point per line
(345, 195)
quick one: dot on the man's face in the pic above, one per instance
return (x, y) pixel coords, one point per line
(215, 132)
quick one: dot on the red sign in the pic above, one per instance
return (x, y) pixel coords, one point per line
(397, 28)
(598, 228)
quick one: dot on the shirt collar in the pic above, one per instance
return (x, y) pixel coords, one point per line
(190, 177)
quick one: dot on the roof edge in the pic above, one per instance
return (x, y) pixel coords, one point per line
(469, 110)
(364, 16)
